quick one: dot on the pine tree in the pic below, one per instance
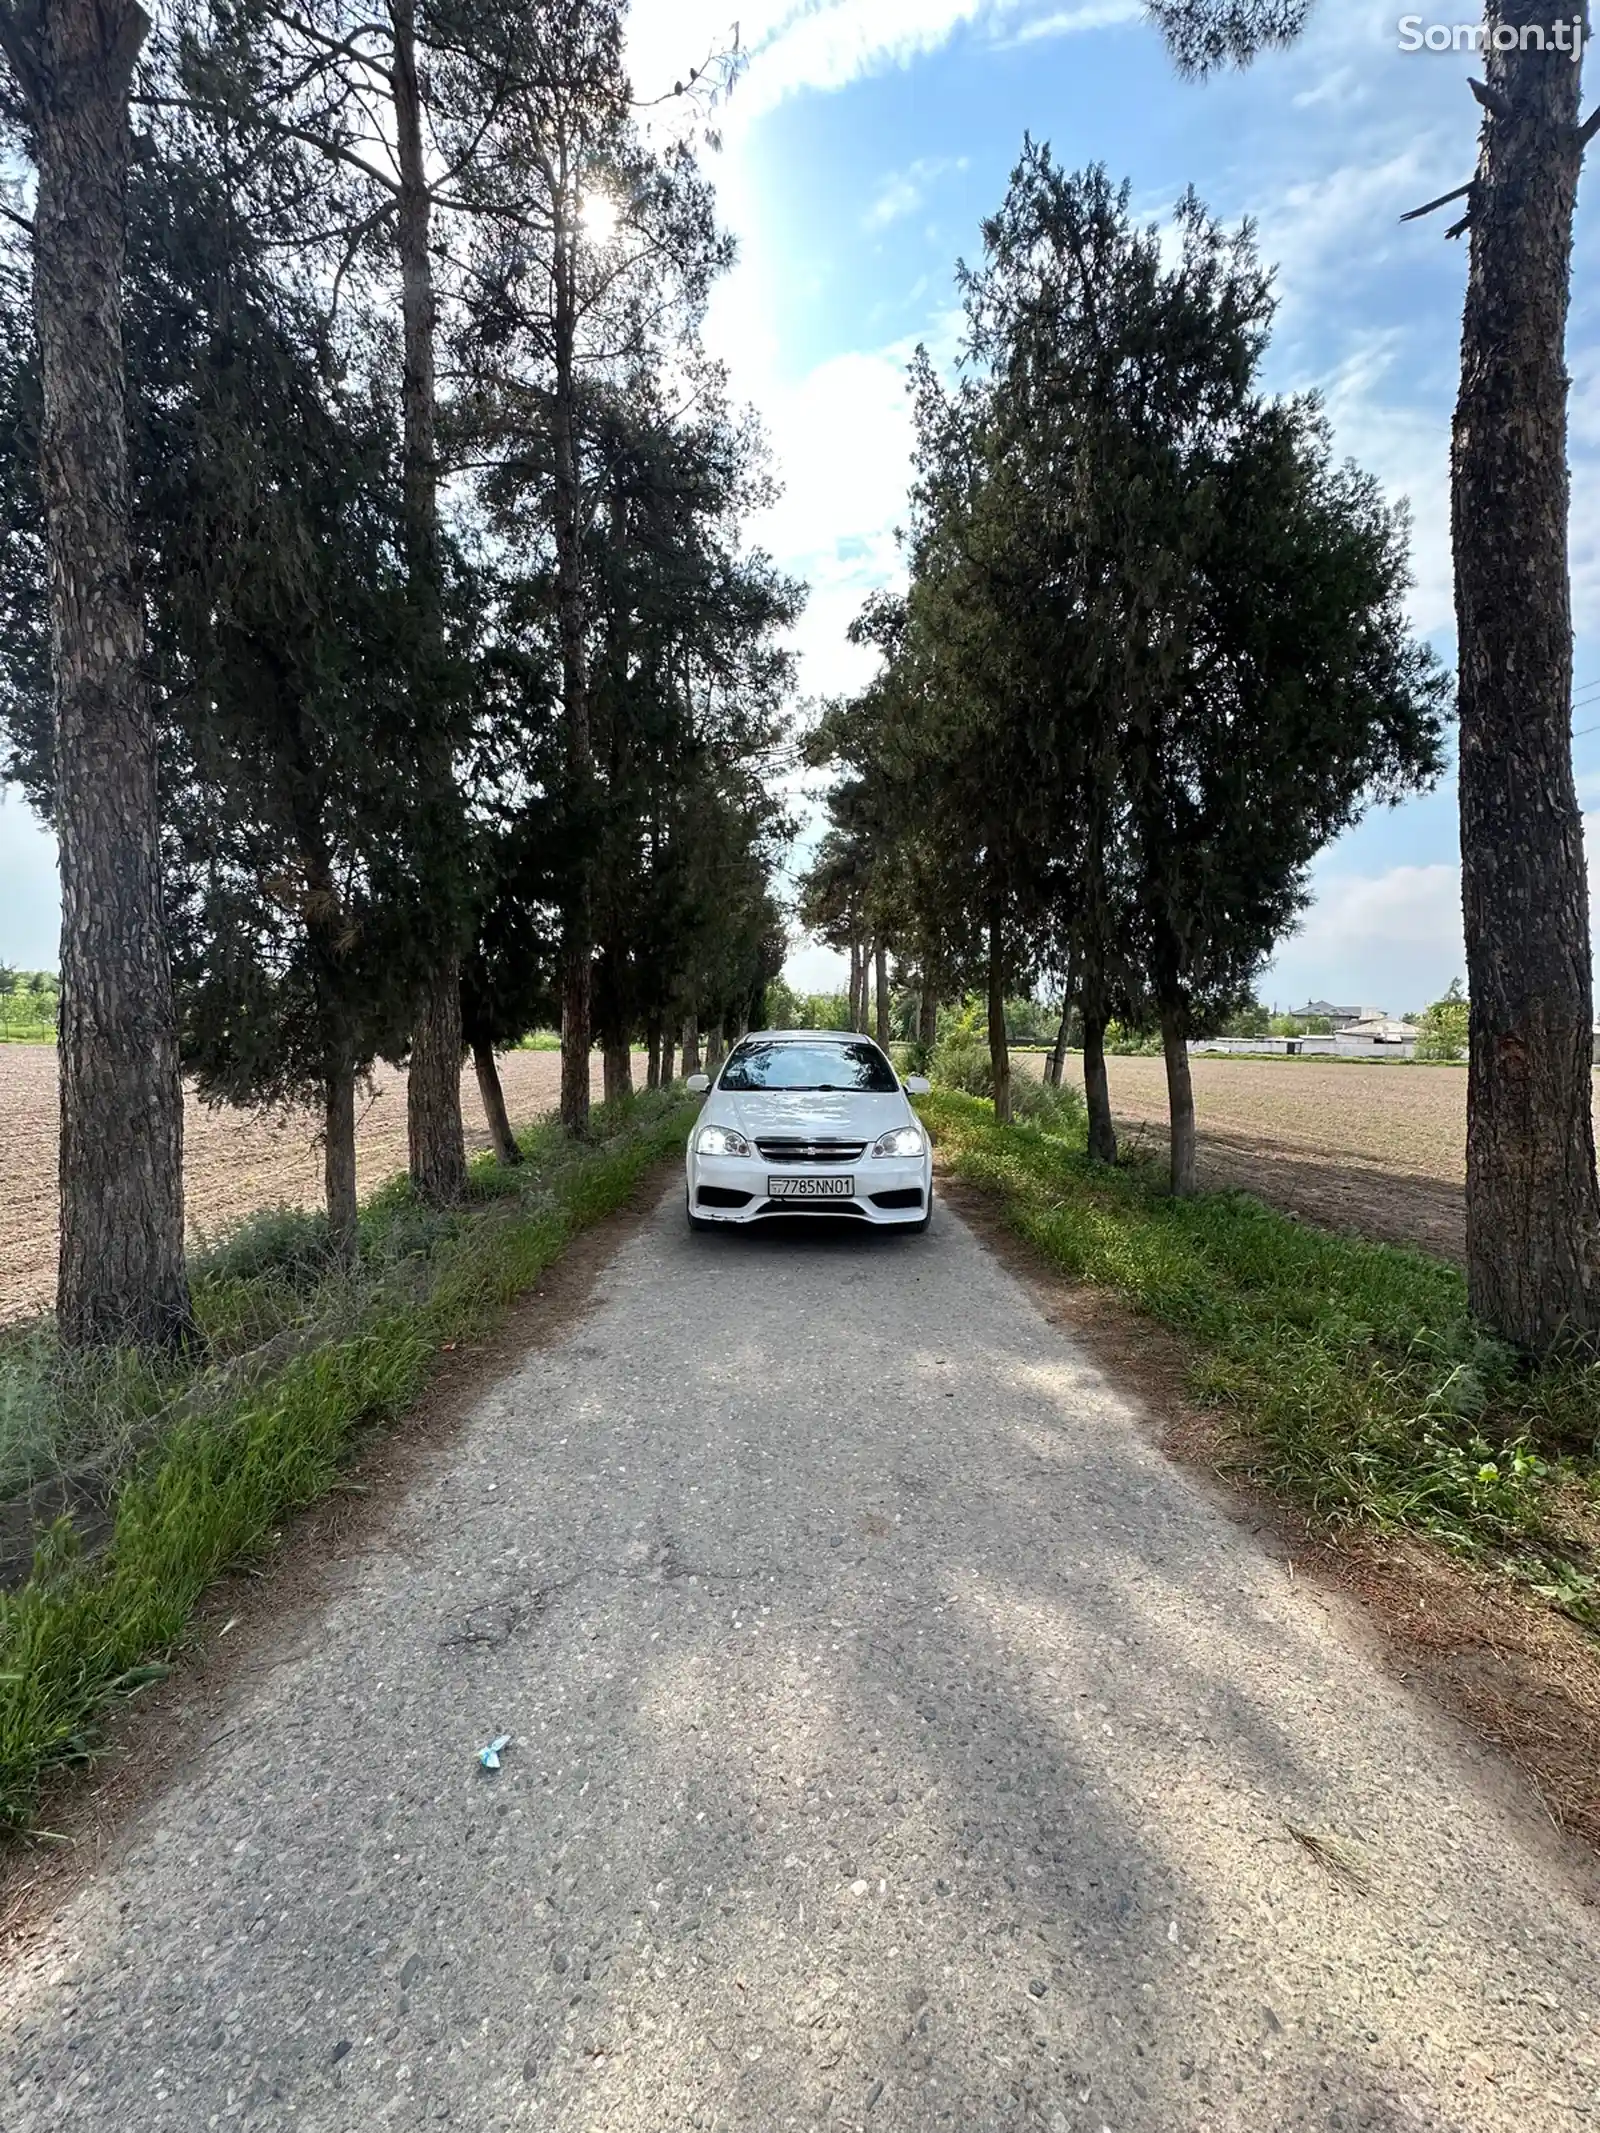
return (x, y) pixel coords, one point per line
(122, 1275)
(1533, 1194)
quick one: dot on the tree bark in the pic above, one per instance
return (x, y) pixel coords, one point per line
(577, 918)
(1056, 1065)
(435, 1132)
(433, 1095)
(716, 1048)
(691, 1045)
(1180, 1100)
(1096, 1086)
(1533, 1205)
(666, 1059)
(855, 985)
(339, 1161)
(999, 1046)
(121, 1268)
(927, 1026)
(652, 1072)
(881, 979)
(616, 1058)
(502, 1138)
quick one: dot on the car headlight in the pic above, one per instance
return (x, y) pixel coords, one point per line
(720, 1140)
(903, 1141)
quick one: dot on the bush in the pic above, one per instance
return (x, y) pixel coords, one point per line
(1443, 1037)
(1060, 1111)
(961, 1061)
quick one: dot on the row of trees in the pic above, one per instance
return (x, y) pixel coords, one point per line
(1152, 655)
(378, 630)
(1533, 1191)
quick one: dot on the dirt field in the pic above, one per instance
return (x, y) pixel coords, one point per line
(1380, 1150)
(234, 1163)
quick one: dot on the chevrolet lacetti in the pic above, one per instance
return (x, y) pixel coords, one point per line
(809, 1122)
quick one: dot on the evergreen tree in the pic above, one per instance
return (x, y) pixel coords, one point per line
(122, 1275)
(1533, 1194)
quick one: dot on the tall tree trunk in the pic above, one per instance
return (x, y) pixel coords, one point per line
(1056, 1065)
(666, 1059)
(493, 1095)
(437, 1138)
(616, 1057)
(1096, 1086)
(691, 1045)
(577, 916)
(339, 1160)
(1180, 1099)
(122, 1276)
(999, 1046)
(1533, 1205)
(433, 1095)
(652, 1072)
(927, 1026)
(855, 985)
(881, 979)
(716, 1048)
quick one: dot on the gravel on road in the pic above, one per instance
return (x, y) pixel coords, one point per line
(896, 1741)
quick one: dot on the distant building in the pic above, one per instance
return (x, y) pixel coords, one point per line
(1340, 1017)
(1369, 1036)
(1378, 1033)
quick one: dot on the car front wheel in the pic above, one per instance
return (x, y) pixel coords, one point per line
(697, 1223)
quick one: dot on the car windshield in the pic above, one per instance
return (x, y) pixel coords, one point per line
(852, 1064)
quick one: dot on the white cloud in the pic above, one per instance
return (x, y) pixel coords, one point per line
(796, 45)
(1408, 448)
(904, 191)
(1393, 939)
(1073, 21)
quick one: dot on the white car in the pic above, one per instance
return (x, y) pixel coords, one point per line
(809, 1122)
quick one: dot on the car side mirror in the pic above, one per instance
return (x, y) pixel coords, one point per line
(697, 1084)
(918, 1085)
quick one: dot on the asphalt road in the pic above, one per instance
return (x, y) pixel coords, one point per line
(897, 1742)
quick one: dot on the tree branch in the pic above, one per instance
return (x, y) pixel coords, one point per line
(1589, 128)
(1461, 192)
(1491, 99)
(25, 64)
(345, 47)
(11, 215)
(285, 130)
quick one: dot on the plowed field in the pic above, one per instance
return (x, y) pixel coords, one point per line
(234, 1161)
(1380, 1150)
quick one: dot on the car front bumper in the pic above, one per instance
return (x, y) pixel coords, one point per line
(729, 1188)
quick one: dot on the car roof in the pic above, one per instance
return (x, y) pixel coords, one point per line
(795, 1036)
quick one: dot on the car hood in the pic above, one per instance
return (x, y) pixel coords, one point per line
(820, 1114)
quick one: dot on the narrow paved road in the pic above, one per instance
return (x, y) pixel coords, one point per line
(898, 1742)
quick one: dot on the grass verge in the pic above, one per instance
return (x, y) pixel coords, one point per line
(299, 1358)
(1354, 1377)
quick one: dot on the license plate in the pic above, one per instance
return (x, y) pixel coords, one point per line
(811, 1188)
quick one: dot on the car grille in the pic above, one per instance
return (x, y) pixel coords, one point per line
(795, 1151)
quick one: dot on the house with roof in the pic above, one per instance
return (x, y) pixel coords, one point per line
(1339, 1017)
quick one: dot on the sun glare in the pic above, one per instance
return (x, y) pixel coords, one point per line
(599, 216)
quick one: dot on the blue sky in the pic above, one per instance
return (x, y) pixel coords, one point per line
(863, 145)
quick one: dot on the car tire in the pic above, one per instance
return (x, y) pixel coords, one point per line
(697, 1223)
(922, 1228)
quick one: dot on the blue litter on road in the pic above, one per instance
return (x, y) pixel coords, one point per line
(490, 1756)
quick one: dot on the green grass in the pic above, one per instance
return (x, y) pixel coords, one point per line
(213, 1454)
(1357, 1380)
